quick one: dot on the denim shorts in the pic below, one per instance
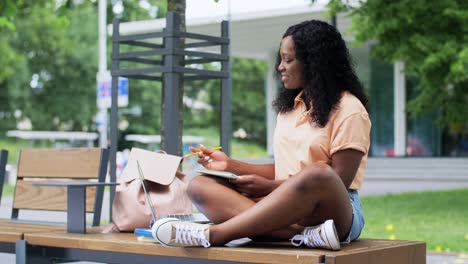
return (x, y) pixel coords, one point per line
(358, 217)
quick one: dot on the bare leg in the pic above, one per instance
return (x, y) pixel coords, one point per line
(216, 199)
(219, 202)
(317, 191)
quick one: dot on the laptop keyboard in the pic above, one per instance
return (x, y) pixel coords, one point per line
(194, 217)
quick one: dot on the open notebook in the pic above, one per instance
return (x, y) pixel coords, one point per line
(193, 217)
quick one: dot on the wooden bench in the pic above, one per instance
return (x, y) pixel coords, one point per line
(124, 248)
(38, 164)
(40, 244)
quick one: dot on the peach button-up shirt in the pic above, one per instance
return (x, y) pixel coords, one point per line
(299, 143)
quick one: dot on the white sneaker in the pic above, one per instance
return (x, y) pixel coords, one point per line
(176, 233)
(320, 236)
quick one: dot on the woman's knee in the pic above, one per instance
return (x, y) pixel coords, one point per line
(318, 176)
(198, 188)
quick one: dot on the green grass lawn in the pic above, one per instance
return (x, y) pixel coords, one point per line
(8, 190)
(439, 218)
(13, 146)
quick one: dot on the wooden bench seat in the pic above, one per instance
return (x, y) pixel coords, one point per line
(125, 248)
(11, 231)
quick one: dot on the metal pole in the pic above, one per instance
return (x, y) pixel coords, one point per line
(226, 116)
(399, 108)
(102, 36)
(271, 88)
(333, 21)
(3, 163)
(102, 115)
(171, 86)
(114, 110)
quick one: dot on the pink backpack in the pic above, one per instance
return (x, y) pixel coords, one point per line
(165, 185)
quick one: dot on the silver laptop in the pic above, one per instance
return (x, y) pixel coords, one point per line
(193, 217)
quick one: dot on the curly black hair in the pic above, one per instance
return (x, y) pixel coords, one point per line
(328, 70)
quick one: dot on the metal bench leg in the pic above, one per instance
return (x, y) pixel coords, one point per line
(76, 214)
(26, 254)
(21, 252)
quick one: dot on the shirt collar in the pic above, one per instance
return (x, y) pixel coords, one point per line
(304, 117)
(298, 99)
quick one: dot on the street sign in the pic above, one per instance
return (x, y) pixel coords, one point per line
(104, 91)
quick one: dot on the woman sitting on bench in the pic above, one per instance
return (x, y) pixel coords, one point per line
(309, 195)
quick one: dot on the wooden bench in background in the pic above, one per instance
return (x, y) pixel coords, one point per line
(51, 164)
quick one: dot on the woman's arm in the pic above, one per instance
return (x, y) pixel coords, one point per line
(218, 160)
(346, 163)
(242, 168)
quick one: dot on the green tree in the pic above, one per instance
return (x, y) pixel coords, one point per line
(432, 41)
(49, 62)
(32, 46)
(51, 74)
(248, 99)
(249, 103)
(7, 27)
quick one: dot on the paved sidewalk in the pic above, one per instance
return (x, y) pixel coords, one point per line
(446, 258)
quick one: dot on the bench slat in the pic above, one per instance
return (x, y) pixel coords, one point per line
(8, 224)
(81, 163)
(12, 231)
(32, 197)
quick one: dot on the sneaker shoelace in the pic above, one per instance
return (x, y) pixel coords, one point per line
(310, 237)
(191, 235)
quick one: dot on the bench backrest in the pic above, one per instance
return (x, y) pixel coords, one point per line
(59, 164)
(3, 163)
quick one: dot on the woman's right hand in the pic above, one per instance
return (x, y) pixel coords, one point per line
(211, 159)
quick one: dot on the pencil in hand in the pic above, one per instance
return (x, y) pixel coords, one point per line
(198, 152)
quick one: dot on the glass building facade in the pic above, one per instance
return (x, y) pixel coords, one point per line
(423, 137)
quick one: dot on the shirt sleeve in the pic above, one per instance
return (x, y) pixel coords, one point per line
(352, 133)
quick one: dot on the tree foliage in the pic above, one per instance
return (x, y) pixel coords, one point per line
(248, 99)
(34, 48)
(432, 41)
(7, 13)
(49, 60)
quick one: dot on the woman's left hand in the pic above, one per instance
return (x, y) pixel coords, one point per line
(253, 186)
